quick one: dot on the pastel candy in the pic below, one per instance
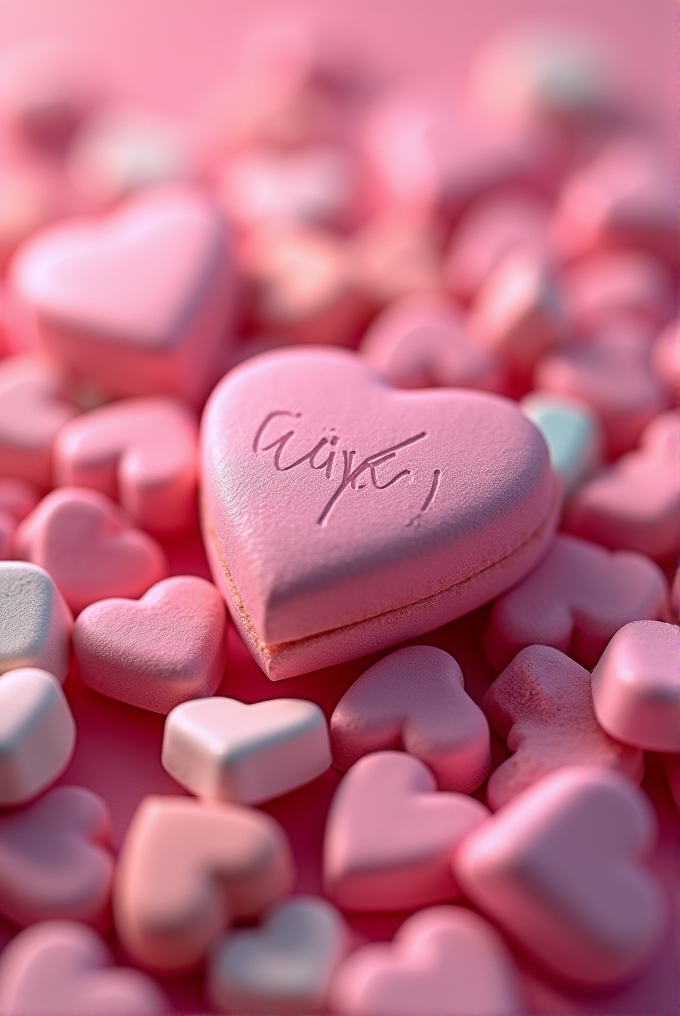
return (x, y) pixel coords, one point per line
(284, 966)
(186, 869)
(636, 686)
(632, 283)
(29, 200)
(334, 525)
(36, 623)
(37, 734)
(81, 282)
(561, 870)
(63, 968)
(33, 409)
(543, 706)
(575, 600)
(572, 433)
(55, 859)
(17, 499)
(422, 341)
(415, 699)
(223, 749)
(141, 452)
(89, 546)
(635, 503)
(444, 961)
(393, 255)
(390, 835)
(167, 648)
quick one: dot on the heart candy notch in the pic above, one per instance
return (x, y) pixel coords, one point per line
(342, 516)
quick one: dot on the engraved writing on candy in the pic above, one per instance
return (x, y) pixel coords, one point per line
(325, 453)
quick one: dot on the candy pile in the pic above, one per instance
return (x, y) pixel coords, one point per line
(418, 355)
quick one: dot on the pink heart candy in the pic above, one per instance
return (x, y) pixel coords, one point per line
(575, 600)
(62, 968)
(17, 499)
(390, 835)
(138, 302)
(89, 547)
(141, 452)
(542, 704)
(341, 515)
(167, 648)
(560, 868)
(444, 961)
(415, 699)
(55, 859)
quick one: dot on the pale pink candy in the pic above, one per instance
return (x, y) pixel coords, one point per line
(636, 686)
(665, 358)
(394, 255)
(517, 314)
(284, 966)
(625, 197)
(34, 406)
(186, 869)
(17, 499)
(390, 835)
(167, 648)
(574, 601)
(635, 503)
(561, 869)
(138, 302)
(542, 705)
(415, 699)
(422, 341)
(89, 547)
(487, 233)
(62, 968)
(37, 734)
(55, 859)
(613, 377)
(632, 283)
(141, 452)
(444, 961)
(223, 749)
(333, 524)
(36, 623)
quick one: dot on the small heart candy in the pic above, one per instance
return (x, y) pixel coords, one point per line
(572, 433)
(36, 623)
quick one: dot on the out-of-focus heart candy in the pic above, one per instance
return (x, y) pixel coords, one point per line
(635, 503)
(444, 961)
(62, 968)
(17, 499)
(575, 600)
(34, 406)
(139, 302)
(89, 546)
(186, 868)
(571, 431)
(223, 749)
(55, 859)
(633, 284)
(141, 452)
(285, 966)
(36, 623)
(390, 835)
(561, 870)
(394, 255)
(415, 699)
(636, 686)
(543, 705)
(167, 648)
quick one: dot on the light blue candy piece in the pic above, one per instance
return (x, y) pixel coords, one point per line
(572, 433)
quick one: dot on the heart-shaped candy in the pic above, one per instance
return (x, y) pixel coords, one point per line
(141, 452)
(186, 868)
(62, 968)
(286, 966)
(223, 749)
(154, 653)
(415, 699)
(560, 869)
(55, 859)
(36, 623)
(572, 433)
(444, 961)
(341, 515)
(138, 302)
(89, 547)
(390, 835)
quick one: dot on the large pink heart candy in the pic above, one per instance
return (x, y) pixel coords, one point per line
(342, 515)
